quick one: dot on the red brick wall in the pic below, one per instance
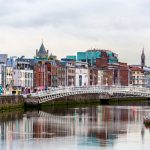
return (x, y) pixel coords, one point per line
(101, 63)
(123, 67)
(41, 74)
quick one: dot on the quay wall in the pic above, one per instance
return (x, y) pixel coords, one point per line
(11, 102)
(79, 99)
(93, 98)
(18, 101)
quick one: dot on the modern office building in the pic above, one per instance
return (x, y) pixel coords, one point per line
(99, 58)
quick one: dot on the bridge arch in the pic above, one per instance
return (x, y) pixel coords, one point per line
(59, 92)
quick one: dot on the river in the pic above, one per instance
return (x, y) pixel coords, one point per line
(97, 127)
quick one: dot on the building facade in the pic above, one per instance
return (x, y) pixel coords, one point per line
(124, 77)
(98, 57)
(81, 74)
(9, 76)
(69, 65)
(93, 75)
(42, 75)
(137, 76)
(3, 75)
(54, 74)
(100, 77)
(23, 80)
(61, 74)
(42, 69)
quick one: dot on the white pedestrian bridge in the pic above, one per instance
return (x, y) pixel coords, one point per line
(54, 93)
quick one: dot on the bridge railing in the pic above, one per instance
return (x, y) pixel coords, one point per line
(111, 89)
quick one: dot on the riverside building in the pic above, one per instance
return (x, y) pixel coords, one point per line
(69, 71)
(23, 74)
(81, 74)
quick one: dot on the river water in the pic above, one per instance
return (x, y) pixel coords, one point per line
(81, 128)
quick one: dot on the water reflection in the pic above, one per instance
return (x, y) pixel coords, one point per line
(98, 126)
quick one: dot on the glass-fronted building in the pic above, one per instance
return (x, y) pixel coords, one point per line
(90, 56)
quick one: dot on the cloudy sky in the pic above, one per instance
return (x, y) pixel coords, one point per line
(68, 26)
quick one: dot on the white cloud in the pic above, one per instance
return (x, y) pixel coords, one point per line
(70, 26)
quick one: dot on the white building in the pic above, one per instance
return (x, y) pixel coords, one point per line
(23, 78)
(9, 76)
(137, 76)
(81, 74)
(69, 73)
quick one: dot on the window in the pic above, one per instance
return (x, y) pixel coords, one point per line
(80, 80)
(26, 83)
(25, 75)
(133, 77)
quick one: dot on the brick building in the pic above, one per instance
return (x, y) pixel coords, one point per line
(103, 61)
(61, 74)
(123, 74)
(42, 75)
(41, 69)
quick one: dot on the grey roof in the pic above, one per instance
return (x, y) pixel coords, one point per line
(146, 69)
(42, 49)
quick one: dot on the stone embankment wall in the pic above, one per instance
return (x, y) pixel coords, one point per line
(11, 101)
(78, 99)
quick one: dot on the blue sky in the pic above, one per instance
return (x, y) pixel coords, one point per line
(68, 26)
